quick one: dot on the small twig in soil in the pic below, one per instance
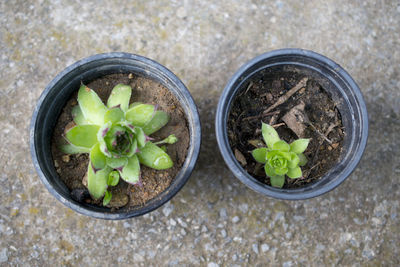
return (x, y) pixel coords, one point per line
(289, 93)
(330, 128)
(258, 131)
(274, 118)
(318, 132)
(260, 116)
(248, 88)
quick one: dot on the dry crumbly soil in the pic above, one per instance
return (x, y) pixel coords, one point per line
(72, 168)
(261, 92)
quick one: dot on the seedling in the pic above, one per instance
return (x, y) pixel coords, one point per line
(116, 136)
(279, 157)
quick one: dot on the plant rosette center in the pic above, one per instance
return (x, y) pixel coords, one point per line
(116, 136)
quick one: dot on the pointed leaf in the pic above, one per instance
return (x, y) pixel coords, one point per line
(303, 159)
(77, 115)
(281, 145)
(294, 173)
(91, 105)
(281, 171)
(120, 96)
(135, 104)
(260, 154)
(277, 181)
(116, 163)
(113, 115)
(140, 115)
(140, 137)
(71, 149)
(159, 120)
(269, 134)
(97, 158)
(299, 146)
(113, 178)
(107, 198)
(294, 161)
(131, 172)
(97, 182)
(154, 157)
(101, 133)
(83, 135)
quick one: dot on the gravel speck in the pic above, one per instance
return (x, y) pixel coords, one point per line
(167, 209)
(235, 219)
(223, 233)
(212, 264)
(3, 255)
(204, 229)
(264, 247)
(172, 222)
(223, 214)
(255, 248)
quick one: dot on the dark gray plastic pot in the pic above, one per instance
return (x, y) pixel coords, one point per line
(55, 96)
(342, 89)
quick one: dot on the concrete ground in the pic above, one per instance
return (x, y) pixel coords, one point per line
(214, 220)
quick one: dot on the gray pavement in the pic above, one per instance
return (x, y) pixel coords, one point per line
(214, 220)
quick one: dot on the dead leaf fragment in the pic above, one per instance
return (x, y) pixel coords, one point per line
(239, 156)
(296, 119)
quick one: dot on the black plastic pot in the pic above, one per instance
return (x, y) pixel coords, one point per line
(55, 96)
(341, 88)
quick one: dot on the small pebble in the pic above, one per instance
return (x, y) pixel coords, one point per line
(65, 158)
(255, 248)
(235, 219)
(264, 247)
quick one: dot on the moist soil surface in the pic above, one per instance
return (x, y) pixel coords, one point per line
(262, 91)
(72, 168)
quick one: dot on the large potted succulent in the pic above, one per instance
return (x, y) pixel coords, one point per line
(291, 124)
(115, 135)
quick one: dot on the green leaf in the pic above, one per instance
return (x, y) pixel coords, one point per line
(294, 161)
(303, 159)
(131, 172)
(281, 145)
(140, 137)
(83, 135)
(77, 115)
(154, 157)
(135, 104)
(101, 133)
(91, 105)
(260, 154)
(269, 134)
(107, 198)
(113, 115)
(277, 181)
(120, 96)
(116, 163)
(71, 149)
(269, 171)
(294, 173)
(281, 171)
(113, 178)
(140, 114)
(97, 182)
(299, 146)
(159, 120)
(97, 158)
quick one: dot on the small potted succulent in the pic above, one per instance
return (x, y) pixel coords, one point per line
(115, 135)
(291, 124)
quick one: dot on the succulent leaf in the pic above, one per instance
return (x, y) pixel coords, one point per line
(71, 149)
(97, 182)
(91, 105)
(107, 198)
(154, 157)
(294, 172)
(113, 178)
(97, 158)
(131, 171)
(281, 145)
(120, 96)
(294, 161)
(140, 137)
(117, 163)
(303, 159)
(269, 134)
(159, 120)
(83, 135)
(260, 154)
(277, 180)
(140, 114)
(114, 115)
(299, 146)
(77, 115)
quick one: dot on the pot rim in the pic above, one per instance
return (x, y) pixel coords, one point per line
(222, 137)
(191, 156)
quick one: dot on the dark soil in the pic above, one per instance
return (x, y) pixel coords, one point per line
(72, 168)
(263, 90)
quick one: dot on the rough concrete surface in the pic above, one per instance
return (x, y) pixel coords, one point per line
(214, 220)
